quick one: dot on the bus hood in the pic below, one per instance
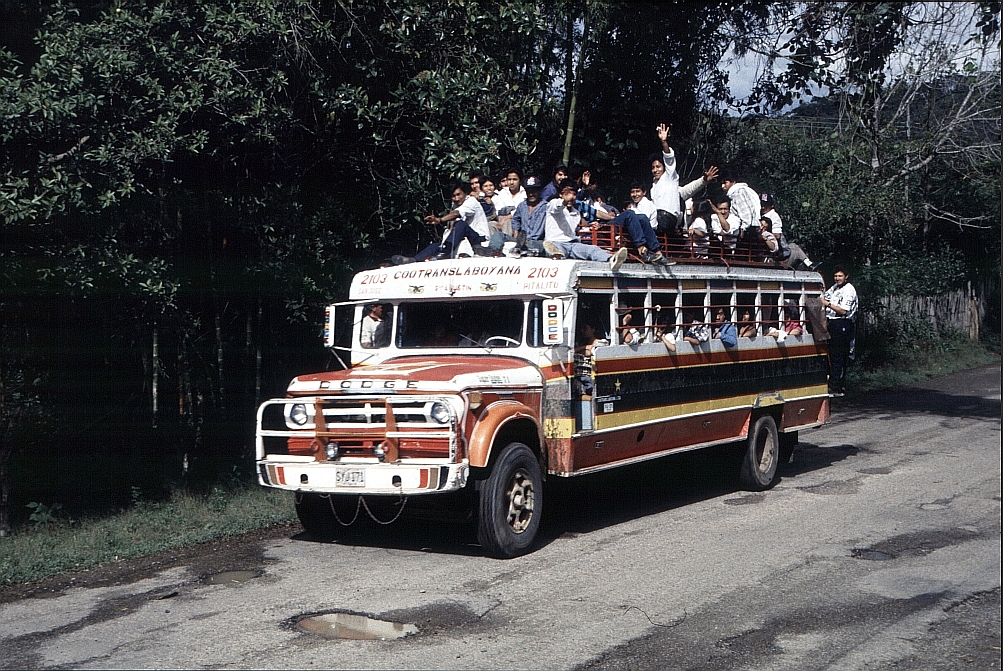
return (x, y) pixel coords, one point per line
(422, 375)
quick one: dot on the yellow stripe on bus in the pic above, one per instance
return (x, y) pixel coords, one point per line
(617, 419)
(558, 427)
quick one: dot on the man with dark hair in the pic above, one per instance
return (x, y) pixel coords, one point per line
(471, 224)
(840, 303)
(665, 185)
(560, 173)
(508, 197)
(640, 203)
(563, 220)
(475, 184)
(744, 202)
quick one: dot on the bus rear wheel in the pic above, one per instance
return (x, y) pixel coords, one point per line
(762, 455)
(511, 502)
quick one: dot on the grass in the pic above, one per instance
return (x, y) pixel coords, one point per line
(186, 519)
(915, 366)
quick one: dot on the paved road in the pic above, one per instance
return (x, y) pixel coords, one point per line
(878, 549)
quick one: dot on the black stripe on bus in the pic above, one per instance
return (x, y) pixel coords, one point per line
(669, 386)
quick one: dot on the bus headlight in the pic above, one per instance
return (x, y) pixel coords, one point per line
(297, 414)
(440, 413)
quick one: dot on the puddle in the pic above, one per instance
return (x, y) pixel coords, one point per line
(872, 555)
(231, 577)
(355, 627)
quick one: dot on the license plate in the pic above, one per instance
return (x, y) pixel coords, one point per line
(350, 477)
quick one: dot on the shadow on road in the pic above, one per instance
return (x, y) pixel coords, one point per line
(588, 503)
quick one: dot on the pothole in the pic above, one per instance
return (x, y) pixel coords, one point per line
(871, 555)
(231, 577)
(881, 470)
(355, 627)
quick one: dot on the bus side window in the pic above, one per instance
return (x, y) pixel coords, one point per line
(594, 310)
(664, 311)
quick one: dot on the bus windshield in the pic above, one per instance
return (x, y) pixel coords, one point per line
(450, 324)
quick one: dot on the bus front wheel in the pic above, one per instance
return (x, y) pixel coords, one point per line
(762, 455)
(511, 502)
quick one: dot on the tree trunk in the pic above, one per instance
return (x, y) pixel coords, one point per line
(569, 133)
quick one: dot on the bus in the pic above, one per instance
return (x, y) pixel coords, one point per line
(487, 376)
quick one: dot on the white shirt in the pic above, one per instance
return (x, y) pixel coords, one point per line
(471, 212)
(665, 190)
(744, 204)
(845, 297)
(562, 223)
(369, 326)
(701, 244)
(505, 198)
(648, 209)
(778, 223)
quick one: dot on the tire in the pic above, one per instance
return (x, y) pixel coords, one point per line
(788, 441)
(762, 455)
(317, 516)
(511, 503)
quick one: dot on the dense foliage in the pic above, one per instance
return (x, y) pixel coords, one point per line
(183, 185)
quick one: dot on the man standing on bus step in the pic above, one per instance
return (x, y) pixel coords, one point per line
(840, 303)
(563, 220)
(665, 186)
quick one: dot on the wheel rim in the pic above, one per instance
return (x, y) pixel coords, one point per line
(765, 449)
(521, 499)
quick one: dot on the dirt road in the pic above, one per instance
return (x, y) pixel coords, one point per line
(879, 548)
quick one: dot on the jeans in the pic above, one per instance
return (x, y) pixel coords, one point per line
(578, 250)
(641, 233)
(461, 230)
(498, 240)
(841, 334)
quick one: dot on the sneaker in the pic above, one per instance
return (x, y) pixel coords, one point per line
(552, 250)
(617, 259)
(400, 260)
(814, 265)
(657, 258)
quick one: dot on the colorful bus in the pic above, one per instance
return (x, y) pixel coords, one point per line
(489, 375)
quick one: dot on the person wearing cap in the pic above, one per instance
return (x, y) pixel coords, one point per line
(840, 303)
(767, 206)
(529, 220)
(563, 221)
(745, 204)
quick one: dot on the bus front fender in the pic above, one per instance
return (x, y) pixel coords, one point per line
(492, 421)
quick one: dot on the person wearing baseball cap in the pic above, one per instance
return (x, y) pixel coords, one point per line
(766, 205)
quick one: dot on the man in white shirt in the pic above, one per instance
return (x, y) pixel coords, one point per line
(767, 205)
(665, 185)
(563, 221)
(471, 224)
(640, 203)
(508, 198)
(375, 331)
(840, 303)
(744, 202)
